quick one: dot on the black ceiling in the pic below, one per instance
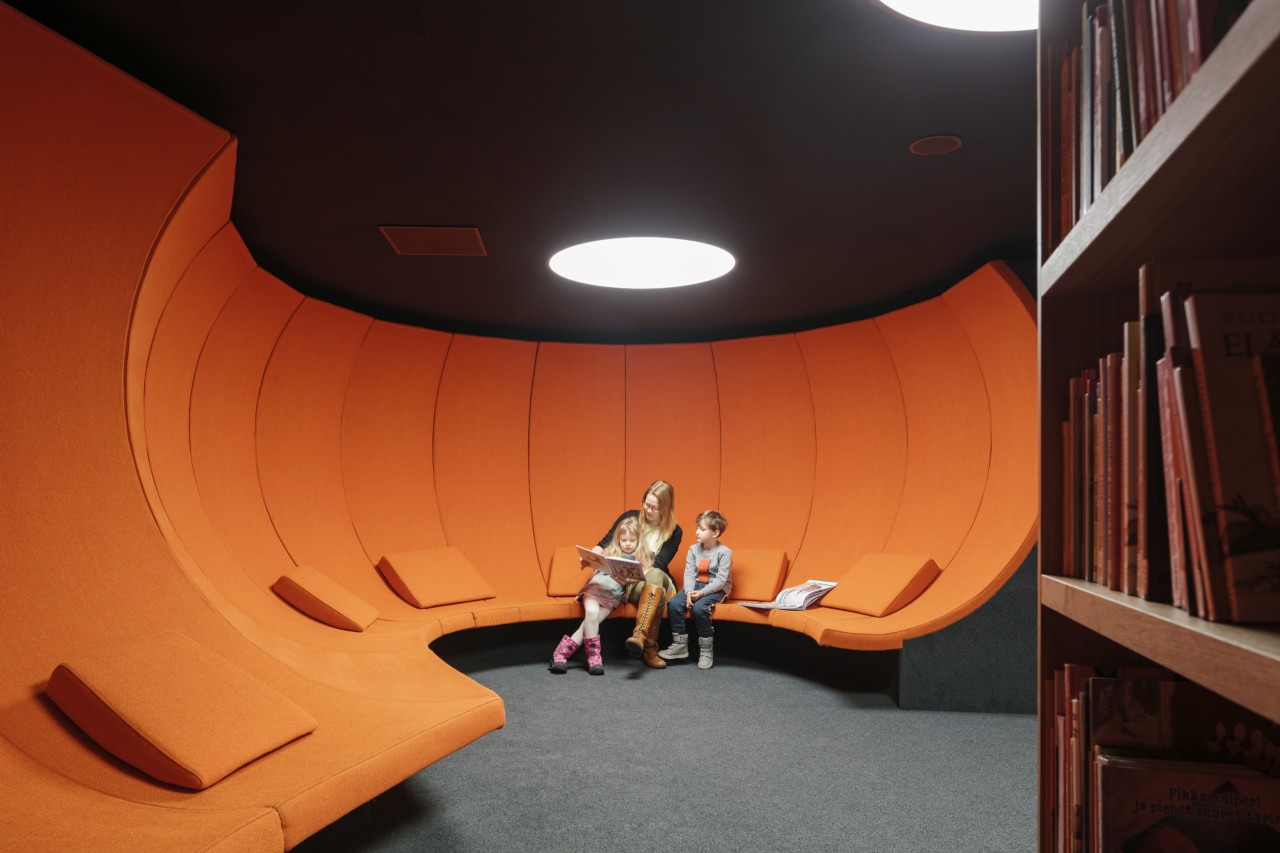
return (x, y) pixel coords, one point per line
(777, 129)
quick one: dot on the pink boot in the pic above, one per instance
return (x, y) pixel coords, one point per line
(595, 662)
(564, 651)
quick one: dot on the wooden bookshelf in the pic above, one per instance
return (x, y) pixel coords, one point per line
(1204, 183)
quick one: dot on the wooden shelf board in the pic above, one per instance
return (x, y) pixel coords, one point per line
(1240, 662)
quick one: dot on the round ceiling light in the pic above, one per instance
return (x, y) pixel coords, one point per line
(642, 262)
(980, 15)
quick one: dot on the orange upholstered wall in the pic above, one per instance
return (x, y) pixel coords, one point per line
(181, 429)
(114, 248)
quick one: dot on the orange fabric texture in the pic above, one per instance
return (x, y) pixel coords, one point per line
(576, 412)
(175, 710)
(387, 422)
(567, 573)
(767, 442)
(322, 599)
(433, 577)
(881, 584)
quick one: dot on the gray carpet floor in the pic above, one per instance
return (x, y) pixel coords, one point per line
(746, 756)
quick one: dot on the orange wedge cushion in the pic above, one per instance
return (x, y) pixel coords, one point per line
(567, 573)
(756, 574)
(434, 577)
(324, 599)
(175, 710)
(882, 583)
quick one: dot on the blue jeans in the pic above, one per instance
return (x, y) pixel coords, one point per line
(702, 609)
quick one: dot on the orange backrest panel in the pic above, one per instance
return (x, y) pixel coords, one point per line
(203, 211)
(767, 452)
(577, 451)
(673, 431)
(482, 460)
(299, 438)
(998, 316)
(224, 416)
(860, 423)
(175, 351)
(948, 430)
(388, 421)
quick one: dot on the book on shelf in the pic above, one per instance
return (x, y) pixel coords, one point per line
(1266, 377)
(800, 597)
(1082, 457)
(1144, 803)
(1153, 577)
(1205, 565)
(1226, 329)
(1113, 471)
(1152, 718)
(1173, 574)
(1111, 80)
(622, 569)
(1198, 579)
(1130, 402)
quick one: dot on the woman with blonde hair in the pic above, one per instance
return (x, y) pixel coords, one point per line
(661, 535)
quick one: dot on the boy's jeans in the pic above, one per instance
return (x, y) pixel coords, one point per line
(702, 609)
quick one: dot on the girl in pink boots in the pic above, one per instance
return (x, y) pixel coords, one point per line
(599, 597)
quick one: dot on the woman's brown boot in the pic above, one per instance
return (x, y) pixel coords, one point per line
(647, 610)
(651, 648)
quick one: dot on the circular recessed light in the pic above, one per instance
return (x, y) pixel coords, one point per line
(642, 262)
(935, 146)
(980, 15)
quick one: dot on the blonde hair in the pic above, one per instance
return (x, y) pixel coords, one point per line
(642, 555)
(666, 495)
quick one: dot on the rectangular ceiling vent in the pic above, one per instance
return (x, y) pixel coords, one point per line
(434, 241)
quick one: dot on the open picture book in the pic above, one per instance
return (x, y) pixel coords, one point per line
(625, 571)
(794, 597)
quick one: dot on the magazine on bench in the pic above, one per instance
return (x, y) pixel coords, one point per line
(625, 571)
(794, 597)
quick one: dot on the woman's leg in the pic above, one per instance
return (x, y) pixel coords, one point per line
(648, 614)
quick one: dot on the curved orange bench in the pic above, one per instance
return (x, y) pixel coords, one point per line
(200, 458)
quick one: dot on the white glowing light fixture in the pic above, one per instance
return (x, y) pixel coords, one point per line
(981, 15)
(642, 262)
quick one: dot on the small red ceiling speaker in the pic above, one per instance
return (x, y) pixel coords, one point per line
(932, 146)
(434, 240)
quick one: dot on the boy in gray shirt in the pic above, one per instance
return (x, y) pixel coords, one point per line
(706, 582)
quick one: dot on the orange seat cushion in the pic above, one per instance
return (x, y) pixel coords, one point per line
(324, 599)
(175, 710)
(882, 583)
(567, 573)
(757, 574)
(434, 577)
